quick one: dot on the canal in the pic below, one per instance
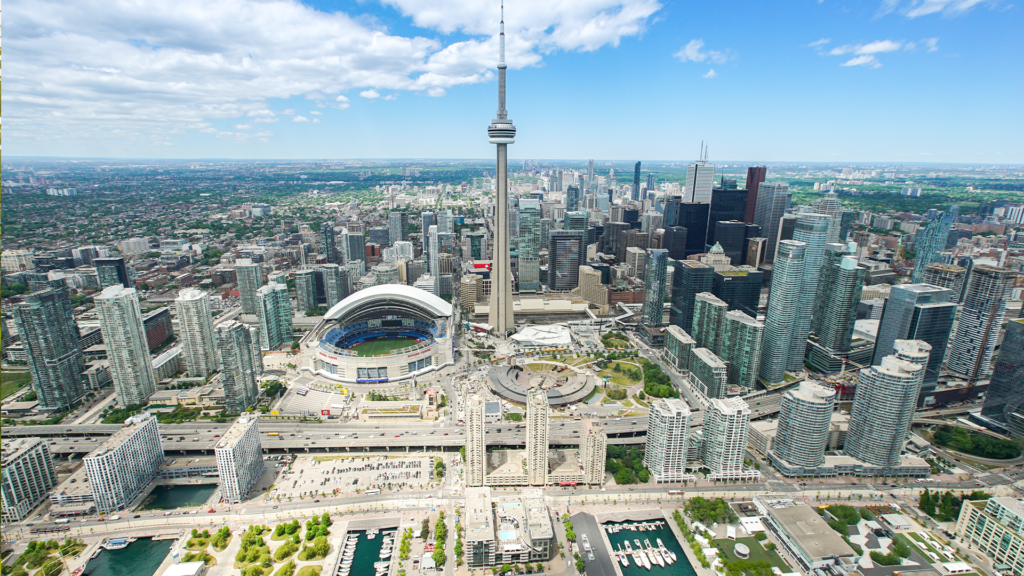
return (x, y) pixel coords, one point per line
(140, 558)
(180, 496)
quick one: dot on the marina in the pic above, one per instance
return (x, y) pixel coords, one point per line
(364, 552)
(647, 547)
(179, 496)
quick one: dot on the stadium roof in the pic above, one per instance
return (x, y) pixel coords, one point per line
(407, 294)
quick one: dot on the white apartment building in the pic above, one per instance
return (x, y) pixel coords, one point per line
(725, 440)
(239, 459)
(26, 478)
(124, 463)
(593, 452)
(127, 348)
(805, 417)
(16, 260)
(668, 431)
(195, 325)
(476, 446)
(537, 437)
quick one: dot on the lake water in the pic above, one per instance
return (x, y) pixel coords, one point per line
(681, 567)
(183, 496)
(140, 558)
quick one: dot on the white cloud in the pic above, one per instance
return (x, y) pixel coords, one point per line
(876, 47)
(436, 92)
(819, 42)
(315, 112)
(289, 112)
(711, 74)
(341, 102)
(316, 120)
(865, 60)
(931, 43)
(918, 8)
(692, 53)
(242, 127)
(371, 94)
(142, 70)
(300, 119)
(390, 97)
(265, 120)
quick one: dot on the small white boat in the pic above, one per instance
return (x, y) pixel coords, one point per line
(629, 549)
(643, 559)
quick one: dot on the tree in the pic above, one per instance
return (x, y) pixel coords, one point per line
(570, 535)
(505, 568)
(439, 556)
(321, 547)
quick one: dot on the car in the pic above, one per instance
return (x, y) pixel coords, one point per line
(276, 507)
(316, 501)
(210, 511)
(137, 516)
(397, 435)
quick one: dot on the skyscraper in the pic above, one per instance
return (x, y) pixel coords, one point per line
(654, 287)
(501, 132)
(689, 279)
(127, 349)
(250, 278)
(111, 271)
(772, 203)
(948, 276)
(739, 288)
(239, 456)
(838, 296)
(336, 285)
(398, 227)
(708, 374)
(305, 289)
(1006, 389)
(981, 317)
(476, 445)
(755, 177)
(675, 242)
(783, 309)
(354, 246)
(932, 240)
(572, 198)
(125, 463)
(740, 348)
(275, 316)
(635, 193)
(727, 205)
(328, 243)
(537, 437)
(668, 431)
(27, 476)
(811, 229)
(593, 452)
(564, 260)
(917, 312)
(195, 324)
(708, 317)
(242, 364)
(883, 411)
(829, 205)
(700, 178)
(49, 334)
(805, 414)
(725, 439)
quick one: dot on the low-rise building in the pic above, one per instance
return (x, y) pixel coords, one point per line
(995, 528)
(806, 536)
(392, 411)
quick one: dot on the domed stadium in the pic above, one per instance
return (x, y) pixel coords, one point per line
(381, 334)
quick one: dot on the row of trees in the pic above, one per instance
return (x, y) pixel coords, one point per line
(441, 536)
(945, 507)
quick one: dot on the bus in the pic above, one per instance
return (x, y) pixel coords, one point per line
(372, 491)
(272, 434)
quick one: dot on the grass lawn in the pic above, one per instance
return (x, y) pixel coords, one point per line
(618, 378)
(541, 368)
(383, 346)
(309, 571)
(11, 382)
(757, 553)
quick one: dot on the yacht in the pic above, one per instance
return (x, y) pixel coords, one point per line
(629, 549)
(669, 555)
(643, 559)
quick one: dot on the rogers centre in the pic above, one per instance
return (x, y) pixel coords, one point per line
(382, 319)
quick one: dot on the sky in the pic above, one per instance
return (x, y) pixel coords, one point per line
(892, 81)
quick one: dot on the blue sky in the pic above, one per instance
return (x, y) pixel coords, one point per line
(876, 81)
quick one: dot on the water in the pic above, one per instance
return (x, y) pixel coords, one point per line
(368, 552)
(182, 496)
(140, 558)
(681, 567)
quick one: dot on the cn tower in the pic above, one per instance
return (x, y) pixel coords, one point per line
(501, 132)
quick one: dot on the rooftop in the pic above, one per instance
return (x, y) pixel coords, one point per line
(13, 448)
(810, 532)
(478, 517)
(235, 432)
(131, 426)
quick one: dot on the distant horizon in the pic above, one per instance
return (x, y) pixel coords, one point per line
(512, 160)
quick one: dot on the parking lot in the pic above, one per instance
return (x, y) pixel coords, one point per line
(311, 476)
